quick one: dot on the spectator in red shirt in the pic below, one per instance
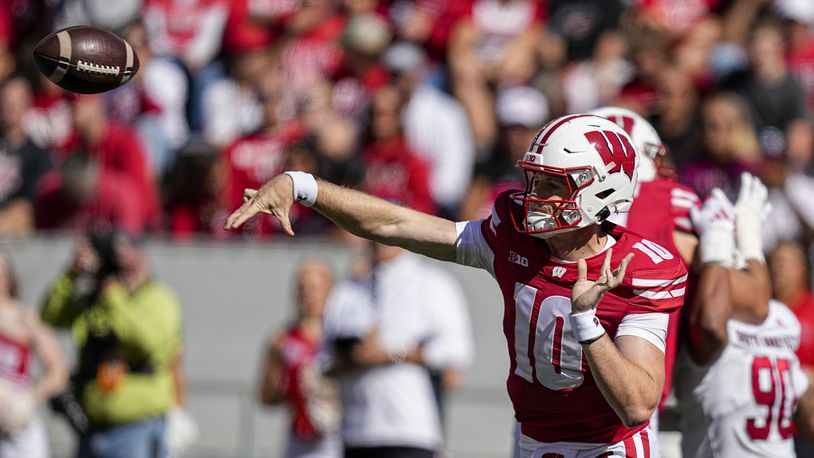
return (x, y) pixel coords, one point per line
(392, 170)
(194, 202)
(790, 274)
(253, 159)
(116, 147)
(82, 195)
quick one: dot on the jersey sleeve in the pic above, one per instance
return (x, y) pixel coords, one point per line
(682, 199)
(651, 327)
(658, 289)
(472, 247)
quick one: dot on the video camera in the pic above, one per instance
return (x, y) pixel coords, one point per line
(102, 242)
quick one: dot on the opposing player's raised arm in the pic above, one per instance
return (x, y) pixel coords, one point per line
(711, 307)
(751, 285)
(359, 213)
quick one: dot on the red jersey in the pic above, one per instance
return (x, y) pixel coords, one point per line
(250, 162)
(115, 203)
(803, 309)
(254, 159)
(14, 358)
(660, 208)
(298, 352)
(801, 66)
(394, 172)
(555, 397)
(121, 150)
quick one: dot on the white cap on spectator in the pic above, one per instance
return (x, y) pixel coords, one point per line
(404, 57)
(521, 105)
(797, 10)
(367, 33)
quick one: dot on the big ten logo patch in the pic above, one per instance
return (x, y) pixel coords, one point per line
(517, 259)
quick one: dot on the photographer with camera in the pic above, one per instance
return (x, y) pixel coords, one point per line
(127, 329)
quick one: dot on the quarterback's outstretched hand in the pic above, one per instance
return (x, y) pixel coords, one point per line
(275, 197)
(585, 294)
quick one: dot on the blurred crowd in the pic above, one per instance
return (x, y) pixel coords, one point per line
(427, 103)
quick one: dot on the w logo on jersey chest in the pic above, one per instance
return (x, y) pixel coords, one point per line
(517, 259)
(558, 271)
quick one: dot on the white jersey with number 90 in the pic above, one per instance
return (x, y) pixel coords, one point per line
(743, 404)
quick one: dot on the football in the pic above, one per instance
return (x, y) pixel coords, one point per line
(86, 60)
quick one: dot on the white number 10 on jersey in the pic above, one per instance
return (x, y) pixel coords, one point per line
(546, 350)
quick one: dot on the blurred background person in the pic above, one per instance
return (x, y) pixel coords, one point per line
(791, 285)
(494, 44)
(383, 330)
(127, 328)
(776, 102)
(729, 146)
(23, 337)
(81, 195)
(154, 102)
(393, 170)
(191, 33)
(22, 162)
(115, 147)
(521, 112)
(291, 375)
(435, 126)
(194, 192)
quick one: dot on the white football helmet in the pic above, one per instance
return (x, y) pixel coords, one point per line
(644, 136)
(597, 161)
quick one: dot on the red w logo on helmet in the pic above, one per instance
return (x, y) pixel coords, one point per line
(625, 122)
(615, 150)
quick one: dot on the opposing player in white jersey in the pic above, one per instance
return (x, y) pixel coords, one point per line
(744, 400)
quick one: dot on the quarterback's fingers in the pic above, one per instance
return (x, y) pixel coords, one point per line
(240, 216)
(582, 270)
(284, 221)
(619, 273)
(249, 194)
(606, 263)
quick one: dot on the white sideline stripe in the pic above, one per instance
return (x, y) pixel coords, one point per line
(658, 282)
(678, 292)
(64, 57)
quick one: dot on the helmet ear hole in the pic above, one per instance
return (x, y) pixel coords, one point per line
(602, 195)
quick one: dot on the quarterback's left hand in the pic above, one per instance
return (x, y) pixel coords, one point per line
(585, 294)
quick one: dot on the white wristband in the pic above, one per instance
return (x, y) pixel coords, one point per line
(586, 326)
(305, 187)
